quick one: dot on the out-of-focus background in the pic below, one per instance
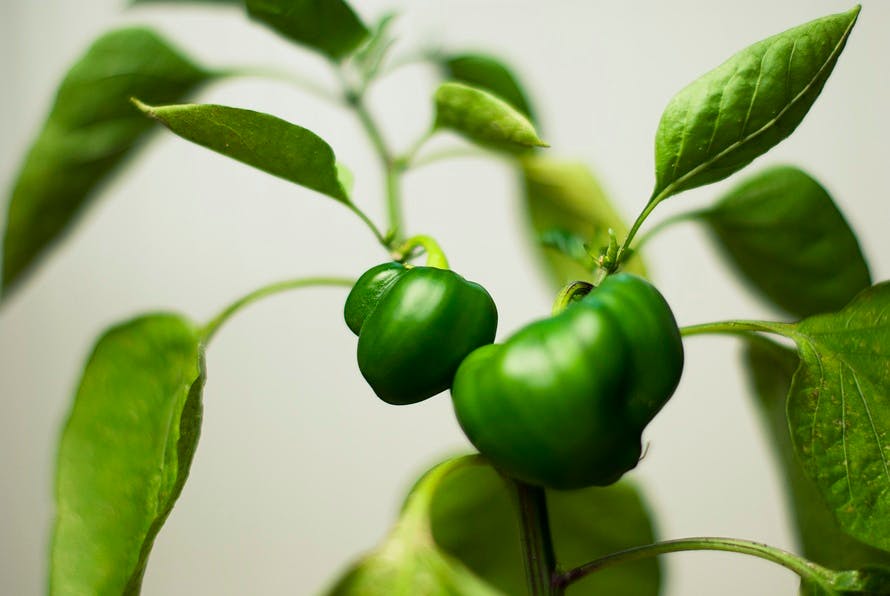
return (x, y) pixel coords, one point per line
(300, 467)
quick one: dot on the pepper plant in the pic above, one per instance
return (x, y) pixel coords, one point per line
(557, 411)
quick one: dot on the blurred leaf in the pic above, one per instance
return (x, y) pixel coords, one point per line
(409, 562)
(90, 130)
(484, 118)
(125, 453)
(490, 74)
(785, 235)
(741, 109)
(869, 581)
(770, 368)
(474, 518)
(327, 26)
(259, 140)
(370, 56)
(564, 195)
(839, 414)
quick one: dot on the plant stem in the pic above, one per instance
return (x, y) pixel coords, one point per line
(537, 544)
(805, 569)
(653, 202)
(739, 328)
(292, 284)
(451, 153)
(435, 256)
(666, 223)
(392, 169)
(394, 203)
(302, 83)
(371, 225)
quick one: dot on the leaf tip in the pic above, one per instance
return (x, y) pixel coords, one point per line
(143, 107)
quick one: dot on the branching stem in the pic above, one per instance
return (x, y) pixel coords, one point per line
(807, 570)
(292, 284)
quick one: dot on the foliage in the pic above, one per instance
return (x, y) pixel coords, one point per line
(133, 428)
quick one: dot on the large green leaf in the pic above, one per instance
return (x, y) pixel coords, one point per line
(785, 235)
(745, 106)
(91, 128)
(839, 412)
(770, 367)
(489, 73)
(565, 196)
(125, 453)
(473, 518)
(484, 118)
(257, 139)
(328, 26)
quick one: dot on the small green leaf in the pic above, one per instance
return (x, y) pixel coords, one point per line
(370, 56)
(474, 518)
(259, 140)
(328, 26)
(90, 130)
(839, 414)
(484, 118)
(741, 109)
(488, 73)
(125, 453)
(409, 562)
(564, 195)
(771, 367)
(786, 236)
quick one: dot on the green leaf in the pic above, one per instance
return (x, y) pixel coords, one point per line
(770, 368)
(741, 109)
(125, 453)
(90, 130)
(259, 140)
(786, 237)
(839, 414)
(474, 518)
(327, 26)
(868, 581)
(409, 562)
(484, 118)
(488, 73)
(370, 56)
(565, 196)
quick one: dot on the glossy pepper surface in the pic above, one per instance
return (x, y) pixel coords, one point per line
(563, 402)
(415, 325)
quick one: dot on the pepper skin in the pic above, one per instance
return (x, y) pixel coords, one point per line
(563, 402)
(415, 325)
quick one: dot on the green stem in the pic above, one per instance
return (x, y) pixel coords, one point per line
(213, 326)
(537, 544)
(392, 169)
(739, 328)
(452, 153)
(371, 225)
(435, 256)
(406, 160)
(653, 202)
(572, 292)
(666, 223)
(302, 83)
(805, 569)
(394, 202)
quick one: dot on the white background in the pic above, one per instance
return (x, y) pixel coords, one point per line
(300, 467)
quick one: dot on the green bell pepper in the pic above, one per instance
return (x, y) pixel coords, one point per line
(415, 325)
(563, 402)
